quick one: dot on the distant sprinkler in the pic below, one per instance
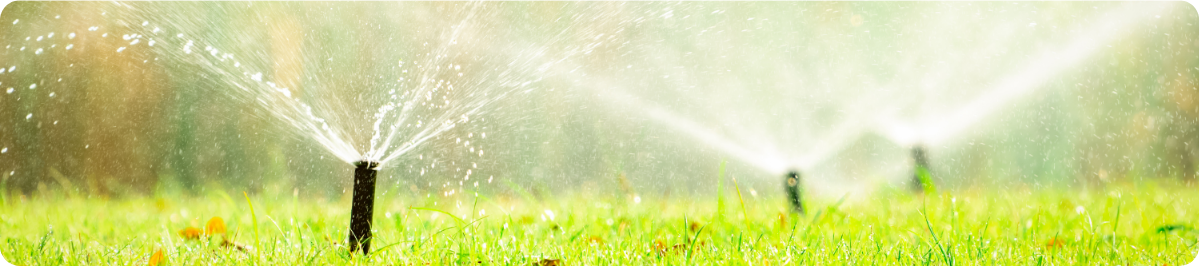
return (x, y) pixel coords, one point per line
(791, 184)
(921, 180)
(364, 204)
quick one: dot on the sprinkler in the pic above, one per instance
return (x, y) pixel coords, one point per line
(921, 178)
(364, 204)
(791, 184)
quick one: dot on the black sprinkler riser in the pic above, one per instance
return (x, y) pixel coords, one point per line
(792, 184)
(920, 162)
(362, 209)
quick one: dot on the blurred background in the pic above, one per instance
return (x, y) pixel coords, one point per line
(118, 99)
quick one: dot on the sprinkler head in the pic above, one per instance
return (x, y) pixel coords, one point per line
(921, 173)
(791, 185)
(366, 165)
(361, 210)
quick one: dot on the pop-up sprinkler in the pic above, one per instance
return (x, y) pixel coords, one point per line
(792, 185)
(364, 204)
(921, 181)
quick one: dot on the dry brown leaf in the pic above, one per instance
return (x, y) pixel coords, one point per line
(1054, 243)
(595, 240)
(548, 262)
(156, 258)
(214, 226)
(230, 244)
(190, 233)
(783, 220)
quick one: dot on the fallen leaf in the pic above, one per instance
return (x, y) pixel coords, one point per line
(548, 262)
(595, 240)
(783, 220)
(156, 258)
(694, 226)
(230, 244)
(1054, 243)
(214, 226)
(662, 248)
(190, 233)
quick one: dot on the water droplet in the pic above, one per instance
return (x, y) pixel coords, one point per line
(71, 35)
(15, 21)
(39, 51)
(28, 116)
(51, 35)
(39, 38)
(69, 46)
(51, 95)
(256, 76)
(4, 150)
(144, 23)
(187, 48)
(33, 86)
(135, 41)
(151, 42)
(121, 49)
(10, 90)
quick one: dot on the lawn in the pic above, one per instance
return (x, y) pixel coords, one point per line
(1150, 223)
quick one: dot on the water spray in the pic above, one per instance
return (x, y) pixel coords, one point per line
(921, 181)
(363, 207)
(792, 186)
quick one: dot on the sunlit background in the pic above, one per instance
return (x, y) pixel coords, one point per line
(646, 98)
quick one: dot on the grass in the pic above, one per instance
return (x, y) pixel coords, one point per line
(1146, 224)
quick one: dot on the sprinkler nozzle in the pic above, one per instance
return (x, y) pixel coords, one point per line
(792, 185)
(361, 210)
(921, 180)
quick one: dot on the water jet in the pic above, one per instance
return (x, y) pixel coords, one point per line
(791, 183)
(361, 209)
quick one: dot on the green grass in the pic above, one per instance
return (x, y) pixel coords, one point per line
(1147, 224)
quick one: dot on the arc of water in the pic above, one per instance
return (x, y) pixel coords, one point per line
(1027, 79)
(385, 149)
(293, 109)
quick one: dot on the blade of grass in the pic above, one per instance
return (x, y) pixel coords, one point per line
(254, 220)
(459, 220)
(720, 216)
(929, 225)
(746, 220)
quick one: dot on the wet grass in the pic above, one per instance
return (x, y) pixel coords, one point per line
(1146, 224)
